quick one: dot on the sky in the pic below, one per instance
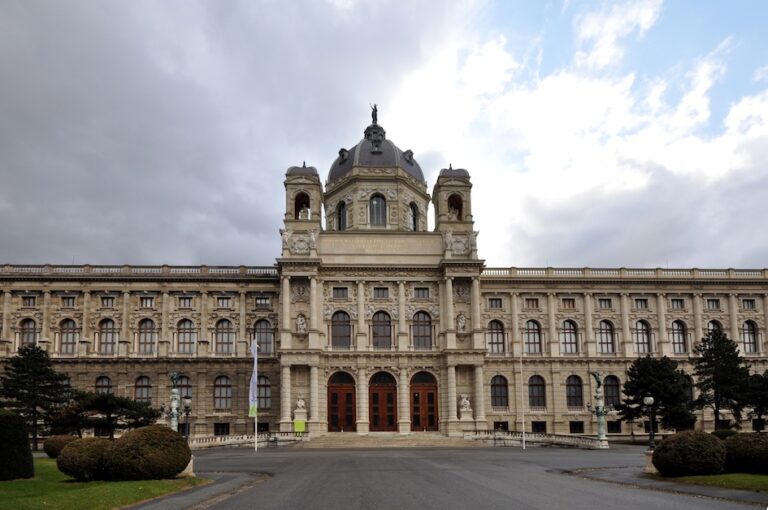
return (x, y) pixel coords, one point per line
(601, 134)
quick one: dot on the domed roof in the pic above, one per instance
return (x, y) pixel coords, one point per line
(376, 151)
(302, 170)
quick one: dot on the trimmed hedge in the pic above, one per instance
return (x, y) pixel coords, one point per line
(148, 453)
(54, 444)
(84, 459)
(15, 454)
(724, 433)
(747, 453)
(690, 453)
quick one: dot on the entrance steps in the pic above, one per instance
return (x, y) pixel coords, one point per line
(387, 440)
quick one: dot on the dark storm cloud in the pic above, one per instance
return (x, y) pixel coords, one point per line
(137, 132)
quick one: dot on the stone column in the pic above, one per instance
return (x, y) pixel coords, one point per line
(362, 333)
(733, 316)
(286, 425)
(45, 330)
(698, 326)
(514, 308)
(164, 345)
(589, 335)
(6, 334)
(124, 345)
(451, 320)
(403, 394)
(762, 347)
(452, 416)
(84, 344)
(554, 347)
(362, 401)
(625, 329)
(313, 303)
(402, 328)
(314, 396)
(479, 398)
(241, 346)
(285, 296)
(476, 320)
(204, 342)
(662, 347)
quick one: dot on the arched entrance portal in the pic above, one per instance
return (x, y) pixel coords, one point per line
(423, 402)
(382, 395)
(341, 403)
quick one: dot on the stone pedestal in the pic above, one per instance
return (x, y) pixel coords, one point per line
(649, 467)
(465, 415)
(300, 420)
(189, 471)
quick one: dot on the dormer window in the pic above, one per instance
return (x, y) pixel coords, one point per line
(378, 210)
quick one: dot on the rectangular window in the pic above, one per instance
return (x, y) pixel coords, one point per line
(532, 303)
(263, 426)
(713, 304)
(501, 425)
(223, 302)
(677, 303)
(146, 302)
(221, 429)
(494, 302)
(748, 304)
(604, 303)
(569, 303)
(421, 293)
(340, 293)
(262, 302)
(28, 301)
(185, 302)
(576, 427)
(539, 427)
(68, 301)
(380, 293)
(107, 301)
(641, 303)
(614, 426)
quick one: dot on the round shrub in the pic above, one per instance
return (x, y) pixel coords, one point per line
(747, 453)
(690, 453)
(148, 453)
(54, 444)
(724, 433)
(84, 459)
(15, 454)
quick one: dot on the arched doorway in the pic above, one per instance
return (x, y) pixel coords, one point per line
(423, 402)
(382, 398)
(341, 403)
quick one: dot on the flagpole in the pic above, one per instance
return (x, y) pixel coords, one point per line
(253, 395)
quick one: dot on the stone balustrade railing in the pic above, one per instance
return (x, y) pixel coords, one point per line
(695, 274)
(69, 270)
(264, 439)
(588, 443)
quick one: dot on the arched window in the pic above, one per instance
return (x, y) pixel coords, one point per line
(612, 390)
(642, 337)
(187, 336)
(28, 332)
(184, 385)
(714, 326)
(263, 335)
(537, 391)
(414, 217)
(68, 336)
(142, 391)
(225, 336)
(264, 392)
(103, 385)
(341, 331)
(455, 208)
(301, 207)
(341, 216)
(749, 336)
(378, 210)
(382, 331)
(679, 340)
(422, 331)
(569, 337)
(108, 334)
(605, 339)
(222, 394)
(499, 391)
(147, 336)
(532, 337)
(574, 394)
(495, 337)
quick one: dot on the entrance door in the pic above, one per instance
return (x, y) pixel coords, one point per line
(382, 398)
(341, 403)
(424, 402)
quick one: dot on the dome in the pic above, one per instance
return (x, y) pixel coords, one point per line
(374, 150)
(302, 170)
(453, 172)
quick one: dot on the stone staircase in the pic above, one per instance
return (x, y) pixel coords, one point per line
(387, 440)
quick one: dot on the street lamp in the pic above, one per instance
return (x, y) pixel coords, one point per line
(648, 401)
(186, 410)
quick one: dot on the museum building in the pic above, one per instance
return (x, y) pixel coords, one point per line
(376, 321)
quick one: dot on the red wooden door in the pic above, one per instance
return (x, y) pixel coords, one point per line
(341, 408)
(424, 407)
(383, 408)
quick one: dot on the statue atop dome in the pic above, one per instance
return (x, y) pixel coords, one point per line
(375, 113)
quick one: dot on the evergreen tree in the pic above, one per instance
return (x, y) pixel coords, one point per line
(721, 375)
(32, 388)
(110, 413)
(757, 397)
(661, 379)
(75, 416)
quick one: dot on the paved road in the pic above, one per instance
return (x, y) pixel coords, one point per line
(434, 478)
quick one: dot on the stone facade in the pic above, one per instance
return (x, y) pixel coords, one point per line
(367, 291)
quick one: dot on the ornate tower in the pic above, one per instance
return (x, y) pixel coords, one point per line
(452, 198)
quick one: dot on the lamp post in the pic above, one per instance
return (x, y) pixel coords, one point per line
(648, 401)
(186, 410)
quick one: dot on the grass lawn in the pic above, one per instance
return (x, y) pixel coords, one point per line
(757, 483)
(50, 488)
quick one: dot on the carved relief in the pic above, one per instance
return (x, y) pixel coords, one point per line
(461, 292)
(299, 292)
(299, 244)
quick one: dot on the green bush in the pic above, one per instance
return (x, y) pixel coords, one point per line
(724, 433)
(84, 459)
(148, 453)
(690, 453)
(747, 453)
(15, 454)
(54, 444)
